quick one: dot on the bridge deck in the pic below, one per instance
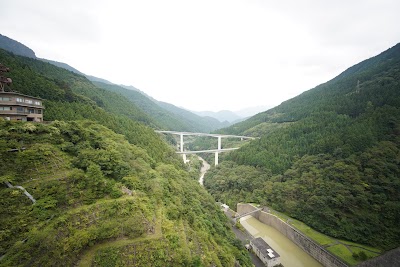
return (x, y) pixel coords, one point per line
(208, 151)
(206, 134)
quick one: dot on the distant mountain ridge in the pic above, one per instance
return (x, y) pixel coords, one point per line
(251, 111)
(223, 115)
(207, 122)
(322, 95)
(62, 65)
(233, 116)
(15, 47)
(328, 157)
(165, 115)
(168, 116)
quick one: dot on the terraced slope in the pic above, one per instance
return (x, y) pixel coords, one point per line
(101, 201)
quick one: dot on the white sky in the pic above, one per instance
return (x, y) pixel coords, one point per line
(207, 54)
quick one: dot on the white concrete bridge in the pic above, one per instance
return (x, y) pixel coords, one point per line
(216, 151)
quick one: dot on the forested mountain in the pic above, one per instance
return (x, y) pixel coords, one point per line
(15, 47)
(160, 114)
(329, 157)
(167, 116)
(62, 65)
(106, 190)
(203, 124)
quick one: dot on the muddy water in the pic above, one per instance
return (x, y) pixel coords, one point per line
(291, 255)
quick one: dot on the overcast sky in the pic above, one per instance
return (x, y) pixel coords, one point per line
(207, 54)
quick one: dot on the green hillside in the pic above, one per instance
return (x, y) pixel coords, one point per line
(168, 116)
(69, 96)
(101, 202)
(329, 157)
(108, 191)
(152, 112)
(199, 123)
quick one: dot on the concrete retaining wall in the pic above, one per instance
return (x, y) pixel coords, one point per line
(308, 245)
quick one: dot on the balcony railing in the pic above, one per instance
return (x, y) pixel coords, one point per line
(17, 103)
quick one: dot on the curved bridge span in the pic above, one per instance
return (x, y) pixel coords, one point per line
(216, 151)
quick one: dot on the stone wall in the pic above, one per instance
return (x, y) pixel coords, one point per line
(308, 245)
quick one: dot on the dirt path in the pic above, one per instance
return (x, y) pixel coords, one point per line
(87, 257)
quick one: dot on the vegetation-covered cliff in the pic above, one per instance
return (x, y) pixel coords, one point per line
(101, 200)
(329, 157)
(107, 191)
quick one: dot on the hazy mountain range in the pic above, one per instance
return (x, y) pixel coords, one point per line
(328, 157)
(225, 117)
(233, 116)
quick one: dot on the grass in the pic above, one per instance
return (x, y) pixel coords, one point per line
(311, 233)
(87, 257)
(342, 252)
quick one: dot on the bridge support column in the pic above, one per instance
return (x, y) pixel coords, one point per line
(181, 148)
(181, 142)
(184, 158)
(219, 148)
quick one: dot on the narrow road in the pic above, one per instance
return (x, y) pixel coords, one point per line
(245, 238)
(203, 170)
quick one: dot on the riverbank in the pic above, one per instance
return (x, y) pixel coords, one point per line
(290, 254)
(204, 168)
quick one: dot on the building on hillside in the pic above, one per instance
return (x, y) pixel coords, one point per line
(224, 207)
(16, 106)
(266, 254)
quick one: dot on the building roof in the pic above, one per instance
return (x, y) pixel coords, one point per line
(16, 93)
(264, 248)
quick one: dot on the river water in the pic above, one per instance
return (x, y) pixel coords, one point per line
(291, 255)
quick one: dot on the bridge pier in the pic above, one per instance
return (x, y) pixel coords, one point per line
(181, 142)
(219, 148)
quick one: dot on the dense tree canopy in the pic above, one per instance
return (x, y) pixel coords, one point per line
(329, 157)
(92, 186)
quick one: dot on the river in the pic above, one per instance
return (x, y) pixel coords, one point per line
(204, 168)
(291, 255)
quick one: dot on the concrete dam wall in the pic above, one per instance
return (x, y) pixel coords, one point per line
(308, 245)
